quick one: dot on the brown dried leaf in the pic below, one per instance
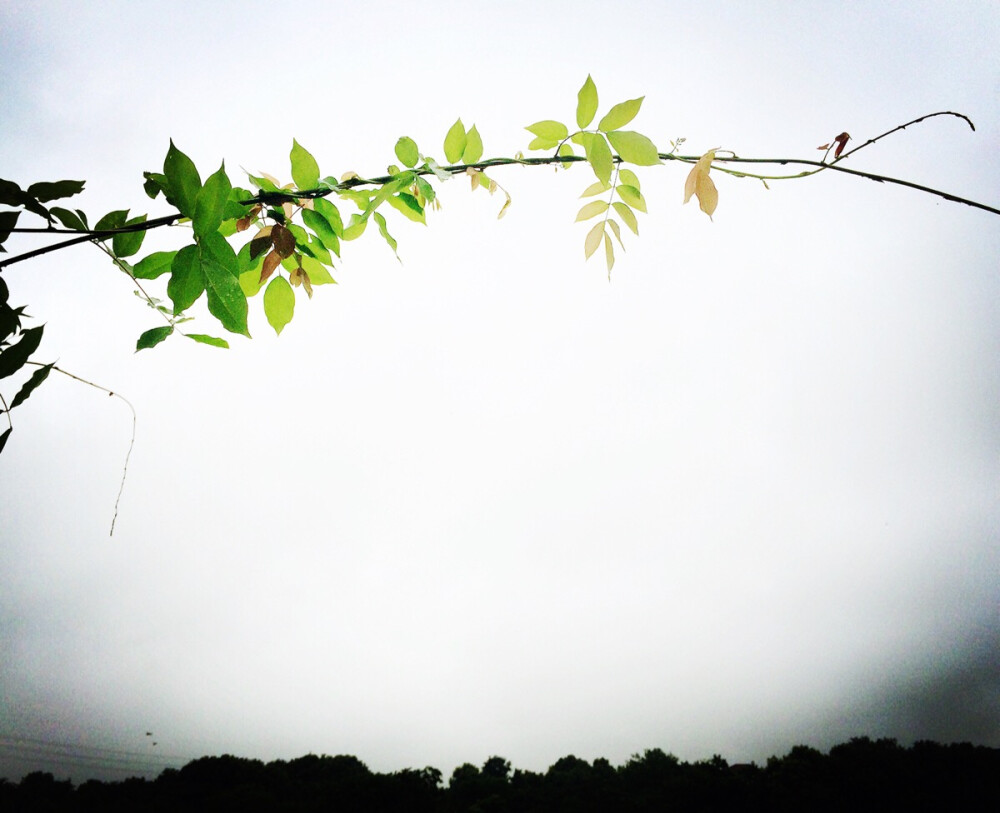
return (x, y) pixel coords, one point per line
(271, 261)
(283, 241)
(841, 140)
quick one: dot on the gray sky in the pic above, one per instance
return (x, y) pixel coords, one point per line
(484, 502)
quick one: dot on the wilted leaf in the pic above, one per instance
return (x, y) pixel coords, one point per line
(593, 240)
(279, 303)
(841, 140)
(586, 103)
(305, 170)
(283, 240)
(271, 261)
(620, 115)
(700, 184)
(455, 142)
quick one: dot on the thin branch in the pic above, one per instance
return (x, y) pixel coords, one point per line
(111, 393)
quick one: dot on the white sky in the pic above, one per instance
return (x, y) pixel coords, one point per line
(485, 502)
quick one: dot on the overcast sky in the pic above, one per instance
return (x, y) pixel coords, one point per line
(484, 502)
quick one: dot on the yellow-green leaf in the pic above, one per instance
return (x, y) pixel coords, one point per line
(599, 156)
(454, 142)
(318, 273)
(593, 239)
(634, 148)
(408, 206)
(473, 146)
(620, 115)
(549, 130)
(540, 143)
(627, 216)
(632, 196)
(592, 209)
(595, 189)
(609, 253)
(279, 303)
(586, 103)
(406, 151)
(628, 178)
(305, 170)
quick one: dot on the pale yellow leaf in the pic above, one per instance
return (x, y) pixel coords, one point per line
(609, 253)
(593, 239)
(614, 227)
(592, 209)
(699, 183)
(595, 189)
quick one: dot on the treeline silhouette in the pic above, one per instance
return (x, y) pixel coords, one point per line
(859, 775)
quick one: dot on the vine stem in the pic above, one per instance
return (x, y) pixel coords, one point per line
(272, 198)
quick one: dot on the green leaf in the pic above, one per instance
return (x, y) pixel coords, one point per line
(279, 303)
(634, 148)
(186, 280)
(305, 170)
(627, 216)
(46, 191)
(355, 228)
(153, 266)
(8, 221)
(473, 147)
(29, 386)
(599, 156)
(128, 244)
(250, 282)
(211, 340)
(153, 337)
(332, 215)
(426, 189)
(263, 184)
(318, 273)
(155, 183)
(226, 300)
(324, 231)
(407, 152)
(549, 130)
(112, 220)
(210, 204)
(586, 103)
(68, 218)
(566, 151)
(620, 115)
(13, 358)
(384, 231)
(408, 206)
(183, 181)
(592, 209)
(455, 142)
(633, 197)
